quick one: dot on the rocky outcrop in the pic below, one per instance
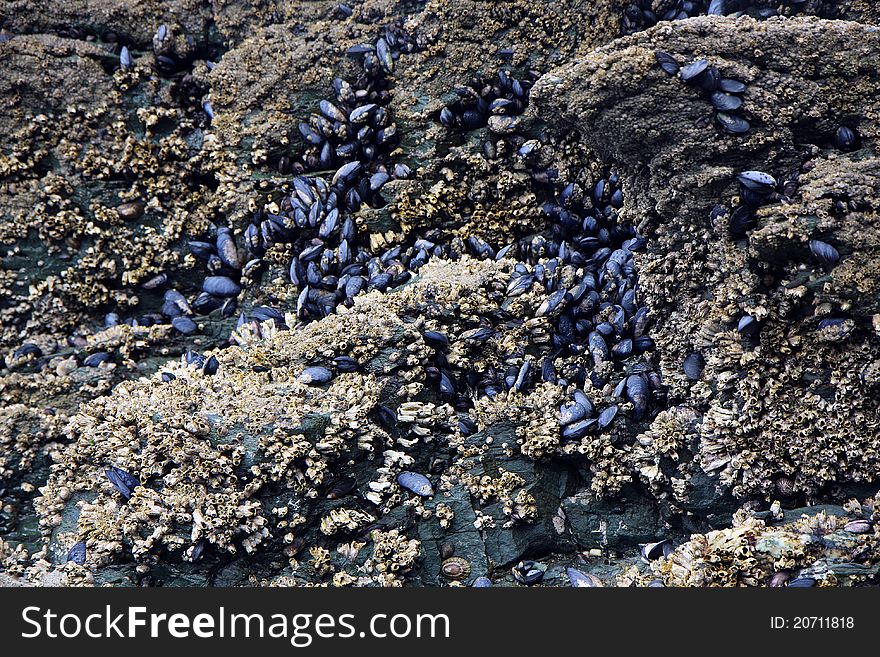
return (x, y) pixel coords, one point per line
(253, 475)
(776, 409)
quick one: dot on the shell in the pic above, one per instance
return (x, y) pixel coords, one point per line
(802, 582)
(455, 568)
(757, 181)
(607, 416)
(571, 412)
(653, 551)
(315, 374)
(415, 483)
(96, 359)
(529, 572)
(221, 286)
(121, 480)
(693, 366)
(184, 324)
(579, 579)
(693, 70)
(733, 124)
(447, 550)
(858, 526)
(77, 553)
(824, 253)
(211, 366)
(845, 138)
(667, 62)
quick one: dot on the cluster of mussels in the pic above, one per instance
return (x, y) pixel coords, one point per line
(590, 332)
(171, 52)
(358, 126)
(643, 14)
(495, 102)
(354, 134)
(584, 262)
(758, 188)
(220, 288)
(724, 93)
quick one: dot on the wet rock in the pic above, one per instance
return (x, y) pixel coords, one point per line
(692, 167)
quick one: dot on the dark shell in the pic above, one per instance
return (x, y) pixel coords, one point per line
(194, 358)
(710, 79)
(529, 572)
(383, 52)
(731, 86)
(122, 481)
(360, 115)
(387, 417)
(693, 366)
(733, 124)
(482, 582)
(211, 366)
(221, 286)
(802, 582)
(667, 62)
(742, 220)
(341, 487)
(184, 324)
(726, 102)
(845, 138)
(347, 172)
(77, 553)
(824, 253)
(197, 550)
(345, 364)
(477, 335)
(747, 324)
(607, 416)
(226, 249)
(623, 348)
(332, 112)
(582, 580)
(436, 339)
(692, 71)
(598, 347)
(578, 430)
(571, 412)
(415, 483)
(447, 385)
(315, 374)
(637, 392)
(520, 285)
(758, 181)
(96, 359)
(654, 551)
(581, 398)
(717, 8)
(155, 282)
(202, 250)
(467, 426)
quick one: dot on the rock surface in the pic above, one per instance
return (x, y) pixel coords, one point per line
(250, 476)
(797, 391)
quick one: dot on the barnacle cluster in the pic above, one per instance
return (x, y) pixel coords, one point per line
(828, 547)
